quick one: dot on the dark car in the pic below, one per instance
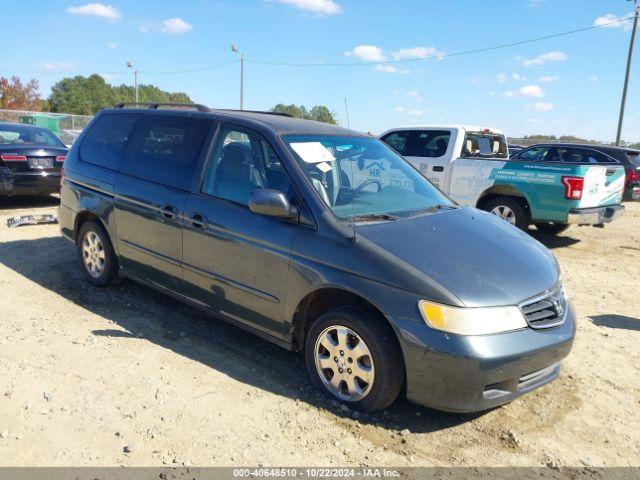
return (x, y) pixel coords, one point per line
(31, 160)
(321, 240)
(513, 149)
(629, 158)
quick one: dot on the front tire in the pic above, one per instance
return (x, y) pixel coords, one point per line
(509, 209)
(552, 228)
(354, 356)
(95, 255)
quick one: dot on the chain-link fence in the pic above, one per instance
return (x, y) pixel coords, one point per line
(66, 126)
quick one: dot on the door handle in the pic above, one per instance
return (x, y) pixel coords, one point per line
(610, 171)
(438, 168)
(170, 212)
(198, 220)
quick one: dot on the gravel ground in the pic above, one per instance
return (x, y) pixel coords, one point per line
(127, 376)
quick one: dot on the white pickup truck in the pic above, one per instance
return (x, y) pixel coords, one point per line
(472, 166)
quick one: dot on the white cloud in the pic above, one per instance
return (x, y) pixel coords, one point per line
(416, 53)
(543, 106)
(412, 112)
(107, 76)
(547, 79)
(321, 7)
(144, 28)
(391, 69)
(529, 91)
(367, 53)
(97, 10)
(612, 21)
(546, 57)
(112, 45)
(502, 78)
(175, 26)
(594, 78)
(414, 94)
(57, 66)
(519, 78)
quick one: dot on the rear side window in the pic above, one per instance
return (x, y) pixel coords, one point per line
(105, 141)
(165, 149)
(485, 145)
(592, 156)
(634, 158)
(535, 154)
(420, 143)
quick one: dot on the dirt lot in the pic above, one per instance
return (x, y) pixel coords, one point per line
(126, 376)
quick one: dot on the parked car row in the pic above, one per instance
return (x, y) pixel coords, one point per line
(549, 186)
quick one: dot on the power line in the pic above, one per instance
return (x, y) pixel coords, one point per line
(445, 55)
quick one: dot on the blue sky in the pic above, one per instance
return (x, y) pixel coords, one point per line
(565, 85)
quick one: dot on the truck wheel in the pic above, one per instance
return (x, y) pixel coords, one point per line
(510, 210)
(551, 228)
(355, 358)
(96, 255)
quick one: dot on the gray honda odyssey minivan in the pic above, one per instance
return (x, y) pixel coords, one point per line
(321, 240)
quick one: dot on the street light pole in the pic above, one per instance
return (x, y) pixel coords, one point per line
(234, 49)
(135, 79)
(626, 78)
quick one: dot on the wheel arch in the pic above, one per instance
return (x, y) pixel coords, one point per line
(323, 299)
(503, 191)
(84, 217)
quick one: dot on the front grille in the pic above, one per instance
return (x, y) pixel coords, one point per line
(546, 310)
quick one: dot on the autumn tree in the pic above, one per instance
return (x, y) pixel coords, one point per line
(15, 95)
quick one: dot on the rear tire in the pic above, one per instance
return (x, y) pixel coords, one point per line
(362, 366)
(95, 255)
(551, 228)
(510, 210)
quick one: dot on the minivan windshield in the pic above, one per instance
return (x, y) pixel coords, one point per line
(362, 177)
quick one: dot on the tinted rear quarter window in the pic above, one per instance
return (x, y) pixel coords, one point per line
(420, 143)
(165, 149)
(104, 143)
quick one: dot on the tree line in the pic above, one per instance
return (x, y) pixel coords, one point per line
(81, 95)
(87, 95)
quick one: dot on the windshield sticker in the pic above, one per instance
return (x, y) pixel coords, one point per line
(313, 152)
(324, 167)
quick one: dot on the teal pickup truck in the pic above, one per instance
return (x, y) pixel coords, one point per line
(551, 188)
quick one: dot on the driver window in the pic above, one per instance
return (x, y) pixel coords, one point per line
(241, 162)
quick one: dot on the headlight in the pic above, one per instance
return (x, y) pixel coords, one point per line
(471, 321)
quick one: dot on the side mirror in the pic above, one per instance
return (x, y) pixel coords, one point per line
(272, 203)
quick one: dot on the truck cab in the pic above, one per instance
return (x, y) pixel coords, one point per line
(471, 165)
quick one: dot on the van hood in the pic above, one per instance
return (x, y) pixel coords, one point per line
(479, 258)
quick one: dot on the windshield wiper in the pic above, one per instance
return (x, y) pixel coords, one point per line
(433, 208)
(374, 216)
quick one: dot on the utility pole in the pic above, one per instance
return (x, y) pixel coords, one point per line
(626, 78)
(234, 49)
(135, 78)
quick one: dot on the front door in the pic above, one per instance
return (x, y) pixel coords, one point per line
(151, 193)
(236, 261)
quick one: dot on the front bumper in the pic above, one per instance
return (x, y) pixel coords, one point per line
(594, 216)
(458, 373)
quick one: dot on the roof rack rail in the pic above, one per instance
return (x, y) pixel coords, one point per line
(282, 114)
(156, 105)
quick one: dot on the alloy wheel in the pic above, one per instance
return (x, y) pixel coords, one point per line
(505, 213)
(344, 363)
(93, 254)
